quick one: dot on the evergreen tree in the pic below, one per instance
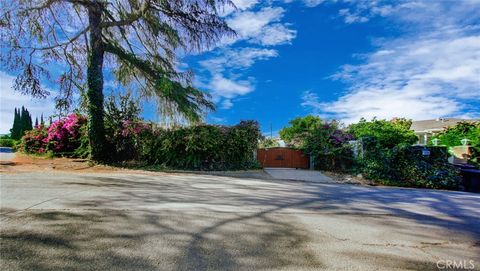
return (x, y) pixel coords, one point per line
(15, 131)
(24, 123)
(41, 120)
(36, 122)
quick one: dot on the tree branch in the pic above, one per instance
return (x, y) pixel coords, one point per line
(58, 44)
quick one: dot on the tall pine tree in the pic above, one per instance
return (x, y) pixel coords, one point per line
(22, 122)
(15, 131)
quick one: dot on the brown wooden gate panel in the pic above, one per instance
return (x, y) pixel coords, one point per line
(282, 157)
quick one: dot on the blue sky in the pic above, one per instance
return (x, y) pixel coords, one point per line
(336, 59)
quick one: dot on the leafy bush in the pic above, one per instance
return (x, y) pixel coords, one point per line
(122, 120)
(387, 133)
(452, 136)
(203, 147)
(268, 142)
(63, 136)
(298, 127)
(404, 165)
(324, 141)
(7, 142)
(329, 146)
(34, 141)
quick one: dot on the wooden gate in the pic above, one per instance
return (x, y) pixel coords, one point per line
(282, 157)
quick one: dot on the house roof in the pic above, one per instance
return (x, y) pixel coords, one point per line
(435, 125)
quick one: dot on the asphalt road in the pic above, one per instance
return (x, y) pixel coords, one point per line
(196, 222)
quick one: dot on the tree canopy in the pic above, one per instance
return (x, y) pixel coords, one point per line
(387, 133)
(299, 126)
(452, 136)
(137, 41)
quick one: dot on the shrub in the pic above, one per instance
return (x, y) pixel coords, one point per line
(322, 140)
(387, 133)
(298, 127)
(64, 134)
(34, 141)
(122, 120)
(452, 136)
(404, 165)
(268, 143)
(7, 142)
(62, 137)
(203, 147)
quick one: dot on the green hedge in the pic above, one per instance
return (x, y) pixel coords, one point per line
(404, 165)
(204, 147)
(5, 142)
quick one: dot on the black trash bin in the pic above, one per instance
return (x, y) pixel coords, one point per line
(471, 180)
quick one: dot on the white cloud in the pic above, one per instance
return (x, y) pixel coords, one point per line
(262, 27)
(250, 23)
(241, 58)
(227, 104)
(232, 61)
(11, 99)
(222, 87)
(312, 3)
(423, 14)
(352, 17)
(276, 34)
(432, 70)
(307, 3)
(417, 79)
(258, 27)
(240, 5)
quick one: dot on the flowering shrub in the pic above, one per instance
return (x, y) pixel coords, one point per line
(64, 134)
(329, 147)
(61, 137)
(127, 139)
(324, 141)
(34, 140)
(134, 128)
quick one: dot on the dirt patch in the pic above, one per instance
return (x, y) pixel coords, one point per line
(347, 178)
(25, 163)
(22, 163)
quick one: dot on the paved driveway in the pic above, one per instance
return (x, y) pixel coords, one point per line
(198, 222)
(298, 174)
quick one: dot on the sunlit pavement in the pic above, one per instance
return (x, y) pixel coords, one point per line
(198, 222)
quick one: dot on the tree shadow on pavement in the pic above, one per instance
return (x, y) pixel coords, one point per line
(196, 223)
(151, 240)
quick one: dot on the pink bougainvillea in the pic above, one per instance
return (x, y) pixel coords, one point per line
(63, 135)
(34, 140)
(134, 128)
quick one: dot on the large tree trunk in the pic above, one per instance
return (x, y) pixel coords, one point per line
(96, 129)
